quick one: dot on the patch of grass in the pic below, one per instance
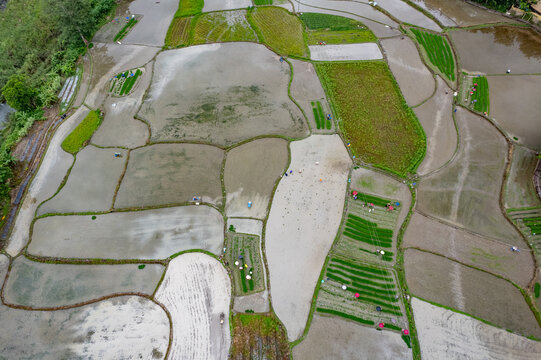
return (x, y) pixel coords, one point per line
(373, 114)
(77, 139)
(438, 51)
(407, 340)
(224, 26)
(125, 29)
(189, 8)
(333, 29)
(537, 290)
(178, 34)
(93, 217)
(279, 29)
(141, 267)
(344, 315)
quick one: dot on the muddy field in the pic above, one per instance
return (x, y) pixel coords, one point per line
(494, 50)
(333, 338)
(515, 106)
(489, 255)
(116, 328)
(42, 285)
(246, 226)
(519, 189)
(251, 172)
(190, 100)
(466, 194)
(302, 224)
(151, 29)
(446, 282)
(444, 334)
(49, 176)
(216, 5)
(91, 183)
(171, 174)
(119, 128)
(148, 234)
(407, 13)
(457, 12)
(364, 51)
(437, 120)
(197, 291)
(415, 80)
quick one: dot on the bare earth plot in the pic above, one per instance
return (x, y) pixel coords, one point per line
(250, 175)
(380, 24)
(197, 291)
(116, 328)
(302, 224)
(466, 191)
(49, 176)
(515, 106)
(436, 117)
(489, 255)
(493, 50)
(332, 338)
(215, 5)
(146, 234)
(457, 12)
(364, 51)
(221, 93)
(444, 334)
(407, 13)
(151, 29)
(111, 59)
(451, 284)
(91, 184)
(42, 285)
(519, 189)
(163, 174)
(119, 128)
(415, 80)
(246, 226)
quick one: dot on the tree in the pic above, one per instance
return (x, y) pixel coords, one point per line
(19, 94)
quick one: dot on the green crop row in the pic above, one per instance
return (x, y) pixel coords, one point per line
(438, 51)
(82, 133)
(366, 275)
(369, 269)
(480, 97)
(334, 270)
(178, 33)
(358, 283)
(537, 290)
(372, 227)
(377, 201)
(368, 240)
(125, 29)
(393, 327)
(129, 82)
(344, 315)
(319, 116)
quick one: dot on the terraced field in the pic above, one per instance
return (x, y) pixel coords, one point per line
(438, 52)
(179, 32)
(332, 29)
(222, 27)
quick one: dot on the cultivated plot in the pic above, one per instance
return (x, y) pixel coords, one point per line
(485, 296)
(215, 5)
(415, 80)
(245, 226)
(147, 234)
(364, 51)
(303, 220)
(222, 27)
(91, 183)
(250, 175)
(151, 29)
(438, 51)
(515, 106)
(519, 189)
(493, 256)
(244, 262)
(444, 334)
(171, 174)
(408, 14)
(494, 50)
(115, 328)
(45, 285)
(332, 338)
(465, 193)
(528, 220)
(436, 117)
(332, 29)
(190, 100)
(197, 291)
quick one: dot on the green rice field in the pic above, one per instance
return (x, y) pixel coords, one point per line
(77, 139)
(438, 51)
(178, 34)
(222, 27)
(478, 94)
(332, 29)
(122, 83)
(528, 220)
(319, 115)
(244, 249)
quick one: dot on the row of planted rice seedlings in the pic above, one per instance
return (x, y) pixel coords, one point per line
(367, 231)
(529, 223)
(347, 247)
(245, 263)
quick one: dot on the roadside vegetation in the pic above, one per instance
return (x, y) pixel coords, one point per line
(332, 29)
(279, 29)
(243, 259)
(40, 44)
(258, 337)
(438, 51)
(223, 26)
(80, 136)
(373, 115)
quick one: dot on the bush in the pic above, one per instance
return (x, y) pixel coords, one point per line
(77, 139)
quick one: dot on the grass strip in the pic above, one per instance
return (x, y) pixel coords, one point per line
(385, 245)
(354, 278)
(344, 315)
(480, 97)
(77, 139)
(392, 327)
(377, 201)
(243, 280)
(365, 275)
(125, 29)
(407, 340)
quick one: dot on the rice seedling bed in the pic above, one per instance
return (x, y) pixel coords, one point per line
(224, 26)
(474, 93)
(279, 29)
(126, 28)
(178, 34)
(77, 139)
(319, 115)
(438, 51)
(123, 83)
(243, 258)
(332, 29)
(390, 136)
(529, 223)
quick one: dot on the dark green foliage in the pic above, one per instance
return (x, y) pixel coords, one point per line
(407, 340)
(393, 327)
(537, 290)
(19, 94)
(125, 29)
(316, 21)
(319, 115)
(500, 5)
(141, 267)
(438, 51)
(232, 228)
(93, 217)
(344, 315)
(130, 81)
(263, 2)
(533, 223)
